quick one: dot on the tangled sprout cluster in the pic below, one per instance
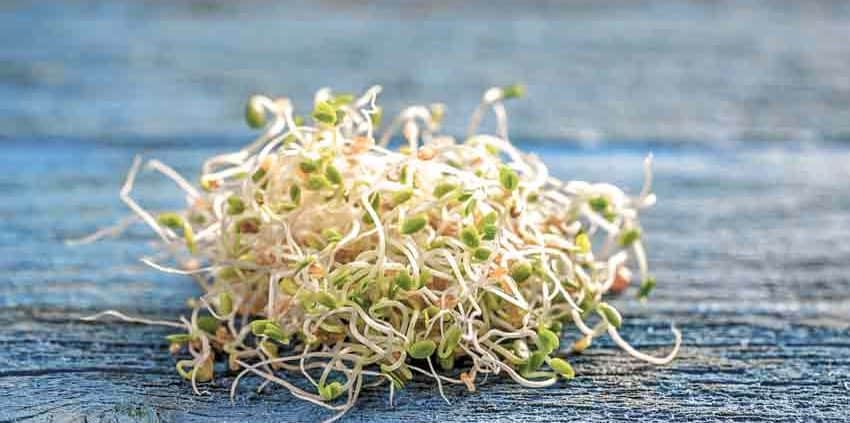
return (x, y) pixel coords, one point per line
(328, 261)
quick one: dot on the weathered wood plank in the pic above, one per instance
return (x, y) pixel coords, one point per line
(729, 368)
(749, 248)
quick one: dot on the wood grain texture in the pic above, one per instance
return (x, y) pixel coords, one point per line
(749, 246)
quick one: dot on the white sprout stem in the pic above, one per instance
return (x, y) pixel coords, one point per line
(176, 177)
(107, 232)
(142, 213)
(130, 319)
(615, 336)
(166, 269)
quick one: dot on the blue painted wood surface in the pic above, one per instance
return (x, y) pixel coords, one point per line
(750, 246)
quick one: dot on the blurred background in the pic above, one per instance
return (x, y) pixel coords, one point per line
(693, 71)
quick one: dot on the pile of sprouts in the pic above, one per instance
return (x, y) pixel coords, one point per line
(330, 262)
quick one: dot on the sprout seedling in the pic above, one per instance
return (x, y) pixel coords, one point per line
(342, 257)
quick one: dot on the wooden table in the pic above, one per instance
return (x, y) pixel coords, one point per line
(751, 247)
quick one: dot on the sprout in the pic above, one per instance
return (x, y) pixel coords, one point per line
(547, 340)
(207, 324)
(508, 178)
(308, 166)
(469, 236)
(209, 185)
(317, 182)
(598, 204)
(481, 253)
(258, 327)
(422, 349)
(325, 113)
(269, 329)
(174, 221)
(179, 338)
(646, 287)
(513, 91)
(450, 341)
(405, 281)
(171, 220)
(295, 194)
(235, 205)
(413, 224)
(610, 314)
(376, 116)
(255, 114)
(189, 236)
(463, 197)
(331, 391)
(444, 188)
(204, 371)
(225, 304)
(201, 372)
(258, 175)
(341, 99)
(402, 196)
(424, 277)
(331, 235)
(521, 271)
(447, 363)
(629, 237)
(288, 286)
(489, 231)
(333, 175)
(583, 243)
(270, 349)
(535, 360)
(326, 300)
(438, 111)
(562, 367)
(367, 259)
